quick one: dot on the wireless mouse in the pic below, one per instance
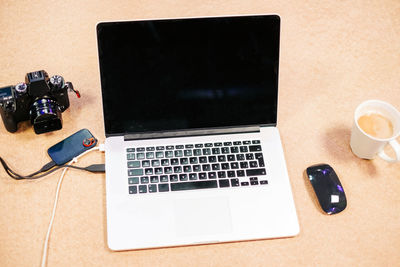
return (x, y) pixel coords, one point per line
(327, 187)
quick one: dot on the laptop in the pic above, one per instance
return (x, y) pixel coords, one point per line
(193, 154)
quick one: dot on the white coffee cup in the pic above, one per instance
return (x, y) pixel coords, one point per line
(367, 146)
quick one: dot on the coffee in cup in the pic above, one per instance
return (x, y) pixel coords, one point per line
(376, 125)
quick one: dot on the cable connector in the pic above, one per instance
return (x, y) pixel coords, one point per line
(102, 147)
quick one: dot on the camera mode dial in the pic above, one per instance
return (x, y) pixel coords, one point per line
(21, 88)
(57, 82)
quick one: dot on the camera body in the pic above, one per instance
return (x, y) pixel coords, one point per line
(39, 99)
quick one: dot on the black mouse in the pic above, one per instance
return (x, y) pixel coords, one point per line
(327, 187)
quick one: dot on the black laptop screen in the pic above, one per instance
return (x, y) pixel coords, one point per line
(175, 74)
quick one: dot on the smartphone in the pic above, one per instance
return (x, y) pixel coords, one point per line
(72, 146)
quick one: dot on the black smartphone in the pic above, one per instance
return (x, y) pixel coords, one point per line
(72, 146)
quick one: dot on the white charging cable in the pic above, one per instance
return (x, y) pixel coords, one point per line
(74, 160)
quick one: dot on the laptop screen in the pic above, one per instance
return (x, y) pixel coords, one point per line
(195, 73)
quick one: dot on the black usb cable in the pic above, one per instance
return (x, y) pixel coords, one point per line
(49, 168)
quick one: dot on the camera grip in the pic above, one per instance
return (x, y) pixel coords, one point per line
(9, 121)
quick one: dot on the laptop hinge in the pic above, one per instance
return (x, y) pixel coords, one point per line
(196, 132)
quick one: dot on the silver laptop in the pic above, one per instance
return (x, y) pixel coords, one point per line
(193, 154)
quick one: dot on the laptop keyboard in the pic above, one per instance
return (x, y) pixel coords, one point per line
(195, 166)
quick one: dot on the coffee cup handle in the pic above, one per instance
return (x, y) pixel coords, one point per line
(396, 148)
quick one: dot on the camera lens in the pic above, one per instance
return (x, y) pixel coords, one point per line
(45, 115)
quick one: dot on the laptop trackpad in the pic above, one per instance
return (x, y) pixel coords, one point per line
(205, 216)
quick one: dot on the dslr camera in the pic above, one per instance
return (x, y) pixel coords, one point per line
(39, 99)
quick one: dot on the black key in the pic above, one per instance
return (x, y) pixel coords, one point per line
(158, 171)
(234, 165)
(135, 172)
(224, 183)
(169, 154)
(133, 189)
(264, 182)
(225, 150)
(152, 188)
(130, 156)
(218, 144)
(189, 146)
(225, 166)
(227, 143)
(206, 151)
(246, 142)
(193, 160)
(192, 176)
(249, 156)
(160, 148)
(203, 159)
(253, 164)
(240, 157)
(212, 175)
(170, 147)
(237, 143)
(244, 149)
(256, 142)
(150, 148)
(260, 158)
(140, 149)
(177, 169)
(146, 163)
(155, 163)
(194, 185)
(133, 180)
(222, 158)
(198, 145)
(202, 176)
(164, 178)
(212, 159)
(231, 157)
(168, 170)
(184, 161)
(196, 168)
(254, 148)
(163, 188)
(159, 154)
(216, 150)
(173, 178)
(244, 165)
(215, 167)
(244, 183)
(179, 147)
(187, 153)
(174, 161)
(234, 149)
(234, 182)
(149, 155)
(197, 152)
(187, 168)
(254, 182)
(221, 174)
(208, 145)
(144, 180)
(132, 149)
(165, 162)
(178, 153)
(140, 155)
(255, 172)
(206, 167)
(183, 177)
(231, 174)
(142, 189)
(133, 164)
(240, 173)
(148, 171)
